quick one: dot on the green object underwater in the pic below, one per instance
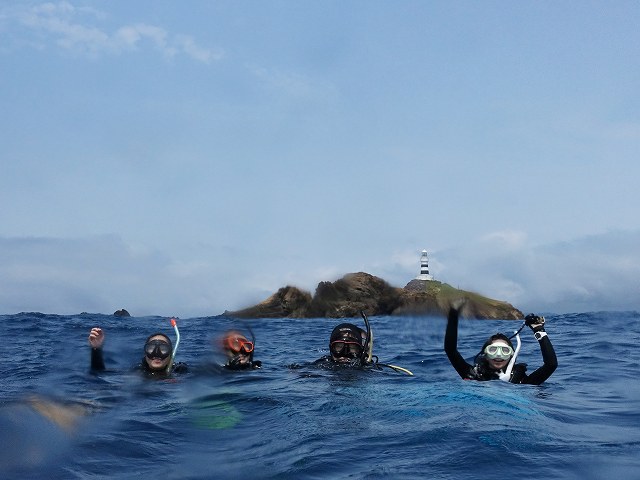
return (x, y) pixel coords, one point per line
(214, 414)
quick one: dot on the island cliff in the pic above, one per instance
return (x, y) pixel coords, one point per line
(361, 291)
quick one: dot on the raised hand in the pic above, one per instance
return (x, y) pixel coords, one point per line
(535, 322)
(96, 337)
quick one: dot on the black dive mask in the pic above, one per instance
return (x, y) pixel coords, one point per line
(157, 349)
(345, 349)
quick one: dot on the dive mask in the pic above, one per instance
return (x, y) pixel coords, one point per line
(344, 348)
(238, 344)
(498, 351)
(157, 349)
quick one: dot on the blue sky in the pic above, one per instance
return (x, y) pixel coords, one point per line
(183, 159)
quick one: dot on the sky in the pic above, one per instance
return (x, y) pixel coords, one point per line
(184, 159)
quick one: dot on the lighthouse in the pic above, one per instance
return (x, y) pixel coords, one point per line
(424, 267)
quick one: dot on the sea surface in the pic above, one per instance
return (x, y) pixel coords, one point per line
(59, 421)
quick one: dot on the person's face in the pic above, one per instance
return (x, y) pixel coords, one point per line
(344, 351)
(499, 361)
(238, 349)
(157, 353)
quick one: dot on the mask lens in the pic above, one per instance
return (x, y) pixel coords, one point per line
(498, 351)
(157, 349)
(247, 347)
(237, 345)
(341, 348)
(337, 347)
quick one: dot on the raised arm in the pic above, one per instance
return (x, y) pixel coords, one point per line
(96, 339)
(550, 362)
(451, 344)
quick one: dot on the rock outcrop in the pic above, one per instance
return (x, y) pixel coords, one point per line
(121, 313)
(287, 302)
(362, 291)
(430, 297)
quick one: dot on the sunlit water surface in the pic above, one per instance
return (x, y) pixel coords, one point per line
(59, 421)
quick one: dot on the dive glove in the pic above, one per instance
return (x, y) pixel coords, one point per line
(535, 322)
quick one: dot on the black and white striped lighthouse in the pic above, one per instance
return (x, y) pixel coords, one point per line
(424, 267)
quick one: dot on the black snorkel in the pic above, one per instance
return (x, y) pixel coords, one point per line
(367, 353)
(518, 331)
(366, 356)
(253, 340)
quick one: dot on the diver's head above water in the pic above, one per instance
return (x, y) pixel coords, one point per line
(346, 343)
(497, 351)
(238, 349)
(157, 352)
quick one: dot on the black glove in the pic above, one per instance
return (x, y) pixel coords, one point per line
(535, 322)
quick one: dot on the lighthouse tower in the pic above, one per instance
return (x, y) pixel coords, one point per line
(424, 267)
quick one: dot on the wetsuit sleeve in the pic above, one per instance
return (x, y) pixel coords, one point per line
(451, 345)
(97, 361)
(550, 363)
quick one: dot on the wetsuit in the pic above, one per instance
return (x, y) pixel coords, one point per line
(328, 362)
(252, 365)
(97, 361)
(481, 370)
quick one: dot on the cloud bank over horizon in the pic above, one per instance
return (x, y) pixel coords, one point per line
(103, 274)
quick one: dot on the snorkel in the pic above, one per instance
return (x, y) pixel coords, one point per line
(367, 354)
(367, 350)
(253, 340)
(506, 375)
(175, 347)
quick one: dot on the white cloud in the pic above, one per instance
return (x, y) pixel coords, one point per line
(131, 35)
(188, 45)
(599, 272)
(73, 29)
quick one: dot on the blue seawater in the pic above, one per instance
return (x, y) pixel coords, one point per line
(57, 420)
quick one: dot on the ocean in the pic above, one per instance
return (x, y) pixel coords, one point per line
(60, 421)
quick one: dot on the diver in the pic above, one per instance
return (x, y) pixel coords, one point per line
(239, 351)
(346, 347)
(352, 347)
(496, 360)
(159, 353)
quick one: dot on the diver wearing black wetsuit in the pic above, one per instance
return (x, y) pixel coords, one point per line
(346, 347)
(157, 347)
(482, 370)
(352, 347)
(239, 351)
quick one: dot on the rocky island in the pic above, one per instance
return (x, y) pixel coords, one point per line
(361, 291)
